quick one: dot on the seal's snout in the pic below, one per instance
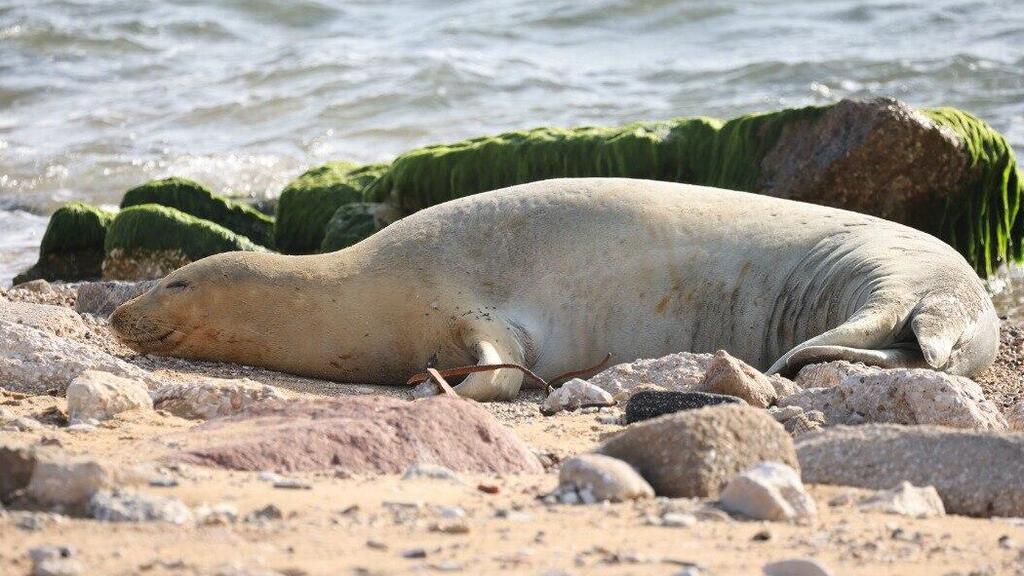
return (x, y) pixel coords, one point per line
(140, 331)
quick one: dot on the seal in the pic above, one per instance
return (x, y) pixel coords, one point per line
(554, 275)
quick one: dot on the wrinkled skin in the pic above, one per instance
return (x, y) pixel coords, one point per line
(556, 274)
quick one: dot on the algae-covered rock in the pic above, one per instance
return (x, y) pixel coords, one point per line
(940, 170)
(355, 222)
(308, 203)
(72, 246)
(193, 198)
(148, 241)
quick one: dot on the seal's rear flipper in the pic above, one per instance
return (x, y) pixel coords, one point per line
(501, 384)
(908, 357)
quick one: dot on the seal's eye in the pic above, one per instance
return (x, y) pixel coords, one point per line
(177, 285)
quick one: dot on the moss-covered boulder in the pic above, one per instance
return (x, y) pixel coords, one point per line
(148, 241)
(72, 246)
(307, 203)
(353, 223)
(193, 198)
(940, 170)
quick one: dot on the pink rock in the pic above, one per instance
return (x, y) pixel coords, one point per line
(366, 434)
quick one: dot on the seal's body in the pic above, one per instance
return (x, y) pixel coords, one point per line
(556, 274)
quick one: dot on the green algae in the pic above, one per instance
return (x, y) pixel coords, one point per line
(308, 202)
(72, 246)
(699, 150)
(152, 228)
(982, 221)
(353, 223)
(193, 198)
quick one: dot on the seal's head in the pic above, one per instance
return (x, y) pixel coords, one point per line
(199, 309)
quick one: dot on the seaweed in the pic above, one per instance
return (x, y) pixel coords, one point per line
(982, 220)
(155, 228)
(72, 246)
(193, 198)
(308, 202)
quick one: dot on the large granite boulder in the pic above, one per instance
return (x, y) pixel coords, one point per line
(975, 473)
(366, 434)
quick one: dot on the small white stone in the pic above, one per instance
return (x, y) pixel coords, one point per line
(431, 471)
(770, 491)
(574, 394)
(678, 520)
(101, 395)
(906, 500)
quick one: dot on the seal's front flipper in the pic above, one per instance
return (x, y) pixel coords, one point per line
(901, 357)
(500, 384)
(854, 340)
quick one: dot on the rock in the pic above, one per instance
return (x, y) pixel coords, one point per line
(25, 424)
(831, 374)
(769, 491)
(17, 461)
(199, 201)
(574, 394)
(647, 404)
(783, 413)
(682, 371)
(149, 241)
(34, 361)
(101, 395)
(1015, 417)
(72, 246)
(117, 506)
(221, 514)
(431, 471)
(695, 453)
(804, 422)
(101, 298)
(732, 377)
(351, 223)
(57, 320)
(906, 500)
(364, 434)
(605, 478)
(309, 202)
(54, 561)
(898, 396)
(67, 481)
(958, 463)
(37, 286)
(795, 567)
(213, 397)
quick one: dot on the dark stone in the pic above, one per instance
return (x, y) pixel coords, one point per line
(648, 404)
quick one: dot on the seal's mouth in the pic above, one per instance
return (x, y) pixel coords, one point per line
(163, 343)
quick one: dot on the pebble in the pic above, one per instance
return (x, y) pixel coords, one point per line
(769, 491)
(292, 484)
(678, 520)
(455, 526)
(573, 395)
(52, 560)
(795, 567)
(647, 404)
(432, 471)
(268, 512)
(414, 553)
(118, 506)
(25, 424)
(218, 515)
